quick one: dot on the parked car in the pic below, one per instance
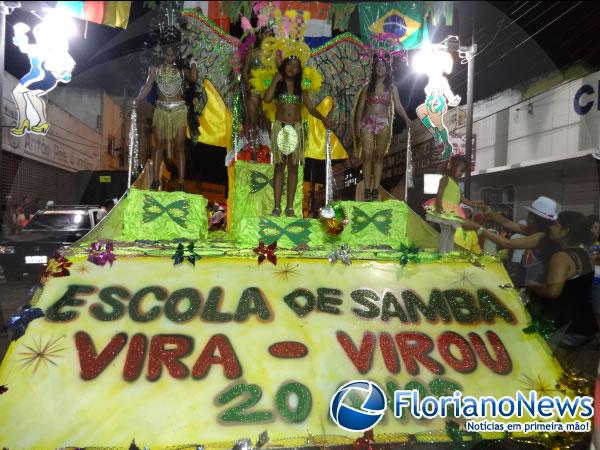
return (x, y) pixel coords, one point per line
(47, 231)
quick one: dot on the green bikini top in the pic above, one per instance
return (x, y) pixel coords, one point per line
(290, 99)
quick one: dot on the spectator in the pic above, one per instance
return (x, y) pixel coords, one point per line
(105, 208)
(564, 297)
(595, 229)
(28, 207)
(9, 218)
(20, 218)
(217, 217)
(542, 213)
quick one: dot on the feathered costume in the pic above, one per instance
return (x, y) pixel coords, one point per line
(342, 64)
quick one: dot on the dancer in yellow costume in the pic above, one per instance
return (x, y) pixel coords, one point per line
(170, 113)
(289, 85)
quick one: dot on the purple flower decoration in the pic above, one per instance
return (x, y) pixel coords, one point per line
(101, 257)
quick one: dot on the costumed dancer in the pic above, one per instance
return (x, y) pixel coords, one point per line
(170, 113)
(445, 208)
(438, 96)
(50, 63)
(289, 90)
(377, 102)
(256, 121)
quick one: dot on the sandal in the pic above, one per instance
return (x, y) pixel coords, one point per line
(276, 212)
(155, 186)
(367, 195)
(375, 195)
(289, 212)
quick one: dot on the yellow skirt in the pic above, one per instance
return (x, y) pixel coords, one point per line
(287, 140)
(168, 118)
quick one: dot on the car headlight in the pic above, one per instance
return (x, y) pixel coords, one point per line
(7, 250)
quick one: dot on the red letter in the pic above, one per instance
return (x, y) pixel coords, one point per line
(134, 363)
(360, 358)
(467, 363)
(503, 364)
(92, 364)
(159, 355)
(388, 350)
(227, 357)
(416, 346)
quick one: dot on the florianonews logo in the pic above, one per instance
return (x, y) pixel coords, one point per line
(358, 405)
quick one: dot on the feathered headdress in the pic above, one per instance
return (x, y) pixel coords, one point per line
(288, 41)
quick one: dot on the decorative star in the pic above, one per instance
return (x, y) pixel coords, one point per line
(101, 257)
(538, 384)
(408, 254)
(41, 353)
(266, 252)
(58, 266)
(465, 277)
(181, 254)
(544, 327)
(82, 268)
(341, 254)
(287, 271)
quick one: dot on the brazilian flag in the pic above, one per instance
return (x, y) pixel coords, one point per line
(401, 22)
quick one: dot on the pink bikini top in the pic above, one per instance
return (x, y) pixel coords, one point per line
(378, 99)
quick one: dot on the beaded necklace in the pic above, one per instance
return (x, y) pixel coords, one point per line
(169, 80)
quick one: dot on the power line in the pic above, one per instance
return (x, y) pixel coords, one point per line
(525, 40)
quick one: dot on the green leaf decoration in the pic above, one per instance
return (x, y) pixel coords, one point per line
(382, 220)
(298, 231)
(177, 210)
(259, 181)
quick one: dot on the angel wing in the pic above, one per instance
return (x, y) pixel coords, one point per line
(215, 52)
(345, 68)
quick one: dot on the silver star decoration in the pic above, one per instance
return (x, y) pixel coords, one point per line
(342, 254)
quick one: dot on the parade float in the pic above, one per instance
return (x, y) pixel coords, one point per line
(153, 332)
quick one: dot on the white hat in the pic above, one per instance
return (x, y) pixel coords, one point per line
(544, 207)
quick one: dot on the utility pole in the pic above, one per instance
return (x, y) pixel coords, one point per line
(470, 56)
(3, 12)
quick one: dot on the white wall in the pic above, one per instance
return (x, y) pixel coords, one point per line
(83, 103)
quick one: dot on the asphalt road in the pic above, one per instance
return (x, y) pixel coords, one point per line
(13, 295)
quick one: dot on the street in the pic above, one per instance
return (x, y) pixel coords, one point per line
(13, 294)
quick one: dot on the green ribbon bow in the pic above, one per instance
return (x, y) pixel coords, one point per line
(544, 327)
(297, 231)
(458, 436)
(258, 181)
(177, 210)
(182, 254)
(408, 253)
(381, 219)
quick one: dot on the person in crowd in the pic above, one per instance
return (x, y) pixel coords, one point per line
(445, 208)
(594, 223)
(287, 130)
(20, 218)
(564, 297)
(537, 249)
(9, 220)
(595, 229)
(217, 217)
(375, 108)
(29, 207)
